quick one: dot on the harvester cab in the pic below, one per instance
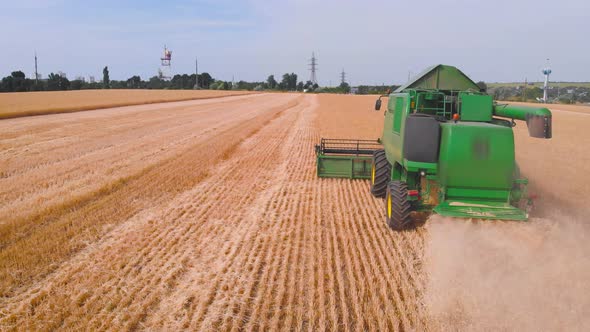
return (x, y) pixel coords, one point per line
(447, 147)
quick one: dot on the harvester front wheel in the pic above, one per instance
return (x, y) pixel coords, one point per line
(397, 206)
(380, 174)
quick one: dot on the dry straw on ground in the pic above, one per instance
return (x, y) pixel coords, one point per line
(207, 215)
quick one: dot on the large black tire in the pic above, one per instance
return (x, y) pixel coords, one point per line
(397, 206)
(380, 174)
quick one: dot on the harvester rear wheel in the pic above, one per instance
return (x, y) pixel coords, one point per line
(380, 174)
(397, 206)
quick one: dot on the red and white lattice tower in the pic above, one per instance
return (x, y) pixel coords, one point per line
(165, 71)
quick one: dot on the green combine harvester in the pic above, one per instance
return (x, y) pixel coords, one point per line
(446, 147)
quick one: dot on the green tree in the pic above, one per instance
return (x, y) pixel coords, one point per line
(482, 85)
(293, 82)
(76, 84)
(106, 81)
(205, 80)
(18, 74)
(272, 83)
(134, 82)
(289, 82)
(57, 82)
(156, 83)
(344, 87)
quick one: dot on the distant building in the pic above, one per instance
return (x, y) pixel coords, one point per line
(354, 90)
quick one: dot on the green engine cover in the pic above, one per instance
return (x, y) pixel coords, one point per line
(476, 160)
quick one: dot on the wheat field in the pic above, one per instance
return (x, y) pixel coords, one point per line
(207, 215)
(17, 104)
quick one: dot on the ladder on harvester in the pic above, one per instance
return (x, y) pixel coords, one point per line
(345, 158)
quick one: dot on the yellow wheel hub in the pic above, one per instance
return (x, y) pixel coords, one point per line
(389, 206)
(373, 174)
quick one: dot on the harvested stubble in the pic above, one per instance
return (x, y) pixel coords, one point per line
(212, 219)
(205, 215)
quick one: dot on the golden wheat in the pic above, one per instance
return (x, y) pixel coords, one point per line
(19, 104)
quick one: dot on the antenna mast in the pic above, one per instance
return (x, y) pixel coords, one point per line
(166, 65)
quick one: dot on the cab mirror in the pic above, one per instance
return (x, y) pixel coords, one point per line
(378, 104)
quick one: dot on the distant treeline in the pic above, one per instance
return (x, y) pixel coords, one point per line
(563, 95)
(17, 82)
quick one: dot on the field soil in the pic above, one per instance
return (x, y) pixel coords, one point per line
(207, 215)
(18, 104)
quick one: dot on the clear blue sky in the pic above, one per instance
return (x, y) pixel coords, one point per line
(374, 41)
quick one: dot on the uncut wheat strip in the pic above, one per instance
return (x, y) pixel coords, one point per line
(167, 119)
(76, 101)
(101, 127)
(46, 122)
(88, 144)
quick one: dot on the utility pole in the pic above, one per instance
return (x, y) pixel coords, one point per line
(524, 90)
(196, 73)
(342, 76)
(36, 73)
(313, 67)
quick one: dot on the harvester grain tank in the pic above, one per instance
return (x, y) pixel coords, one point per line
(446, 147)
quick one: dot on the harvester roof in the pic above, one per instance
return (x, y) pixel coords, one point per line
(440, 77)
